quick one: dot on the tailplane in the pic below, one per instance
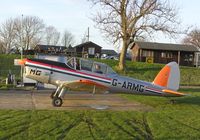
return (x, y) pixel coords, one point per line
(169, 76)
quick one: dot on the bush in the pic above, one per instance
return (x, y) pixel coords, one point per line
(5, 86)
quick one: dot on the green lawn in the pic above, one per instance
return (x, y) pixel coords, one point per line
(166, 121)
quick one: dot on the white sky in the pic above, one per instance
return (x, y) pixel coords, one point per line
(74, 15)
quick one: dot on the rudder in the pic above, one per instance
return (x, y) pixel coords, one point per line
(169, 76)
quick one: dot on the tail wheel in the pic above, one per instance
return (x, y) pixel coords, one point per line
(57, 102)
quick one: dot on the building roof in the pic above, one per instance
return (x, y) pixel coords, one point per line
(87, 43)
(109, 52)
(165, 46)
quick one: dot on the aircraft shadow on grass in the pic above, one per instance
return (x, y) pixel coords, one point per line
(192, 100)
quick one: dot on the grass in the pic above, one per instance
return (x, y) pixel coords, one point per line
(173, 121)
(166, 121)
(66, 125)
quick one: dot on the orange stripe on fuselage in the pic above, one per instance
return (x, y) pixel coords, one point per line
(162, 77)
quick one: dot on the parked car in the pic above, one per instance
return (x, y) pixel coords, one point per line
(110, 57)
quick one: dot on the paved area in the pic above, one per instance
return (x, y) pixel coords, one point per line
(40, 99)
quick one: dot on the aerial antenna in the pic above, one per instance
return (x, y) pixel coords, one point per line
(88, 34)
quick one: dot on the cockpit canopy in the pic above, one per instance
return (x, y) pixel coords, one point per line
(88, 65)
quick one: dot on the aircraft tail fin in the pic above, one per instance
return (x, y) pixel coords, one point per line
(169, 76)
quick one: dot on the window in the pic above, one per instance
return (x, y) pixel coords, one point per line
(146, 53)
(110, 70)
(72, 63)
(99, 68)
(86, 65)
(95, 67)
(166, 55)
(163, 55)
(169, 55)
(91, 51)
(188, 57)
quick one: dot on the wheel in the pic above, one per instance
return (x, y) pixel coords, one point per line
(52, 95)
(57, 102)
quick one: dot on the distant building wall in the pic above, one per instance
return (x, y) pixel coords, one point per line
(160, 55)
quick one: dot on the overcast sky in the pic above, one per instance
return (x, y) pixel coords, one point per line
(74, 15)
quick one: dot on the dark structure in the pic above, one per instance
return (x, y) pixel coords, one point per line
(51, 49)
(70, 51)
(108, 52)
(163, 53)
(88, 49)
(28, 52)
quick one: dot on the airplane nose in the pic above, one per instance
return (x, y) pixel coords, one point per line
(22, 61)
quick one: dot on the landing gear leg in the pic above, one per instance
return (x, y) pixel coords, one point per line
(94, 90)
(55, 93)
(58, 96)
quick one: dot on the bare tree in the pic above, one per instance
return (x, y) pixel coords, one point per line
(7, 36)
(52, 35)
(67, 39)
(2, 48)
(28, 31)
(127, 20)
(193, 38)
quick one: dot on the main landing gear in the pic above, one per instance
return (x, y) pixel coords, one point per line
(57, 96)
(57, 102)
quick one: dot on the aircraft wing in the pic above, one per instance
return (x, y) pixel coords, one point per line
(175, 93)
(85, 85)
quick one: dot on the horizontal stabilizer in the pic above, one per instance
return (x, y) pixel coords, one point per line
(173, 92)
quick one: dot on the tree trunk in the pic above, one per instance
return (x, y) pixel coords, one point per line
(122, 58)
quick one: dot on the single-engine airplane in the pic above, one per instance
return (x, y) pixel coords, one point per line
(86, 73)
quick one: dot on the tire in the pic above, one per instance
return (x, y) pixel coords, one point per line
(57, 102)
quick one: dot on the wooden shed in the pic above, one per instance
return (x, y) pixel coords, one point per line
(88, 49)
(163, 53)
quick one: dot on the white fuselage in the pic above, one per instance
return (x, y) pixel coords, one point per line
(55, 75)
